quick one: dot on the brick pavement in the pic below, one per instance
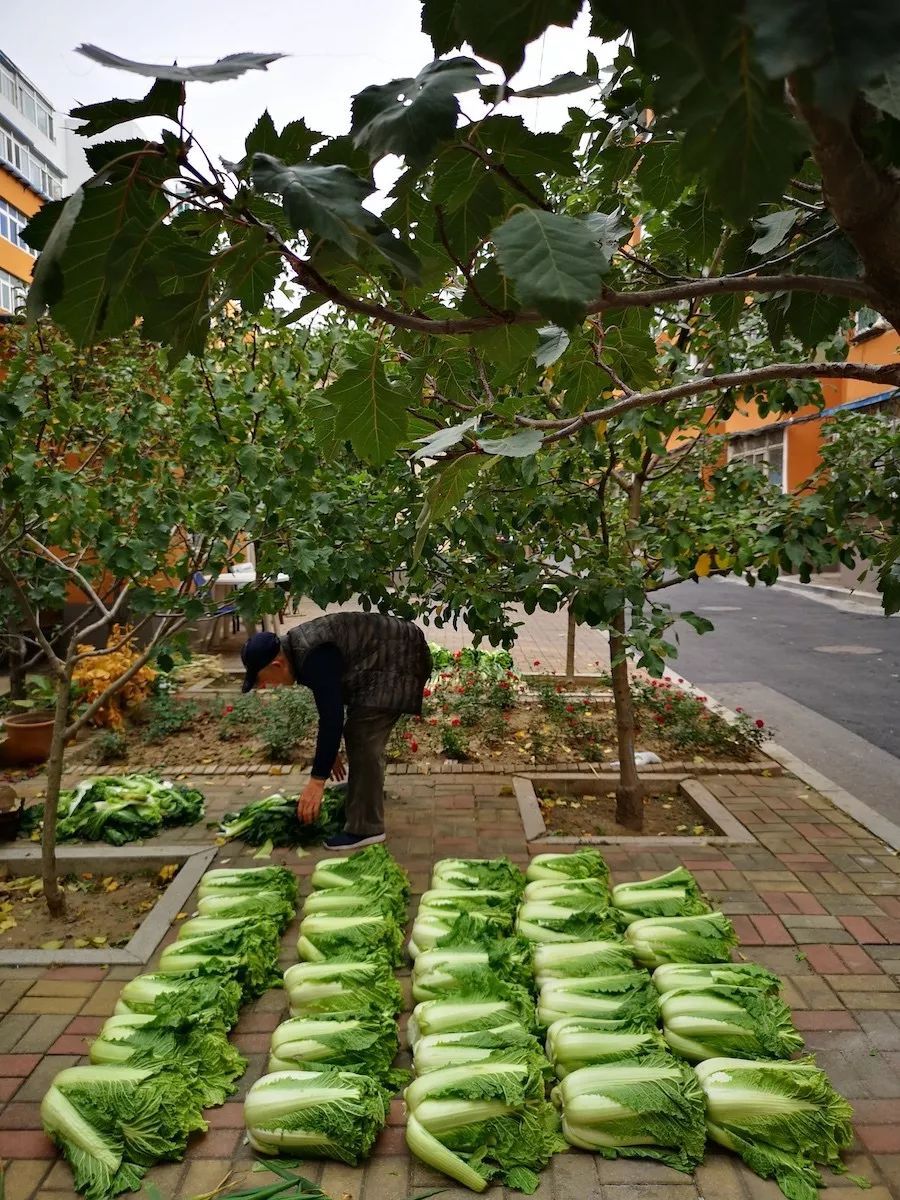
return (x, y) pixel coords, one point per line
(817, 900)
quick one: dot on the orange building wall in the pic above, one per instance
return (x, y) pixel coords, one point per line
(12, 259)
(802, 439)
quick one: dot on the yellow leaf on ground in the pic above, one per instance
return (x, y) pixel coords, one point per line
(54, 944)
(698, 830)
(180, 916)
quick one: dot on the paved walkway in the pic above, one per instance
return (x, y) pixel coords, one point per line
(817, 900)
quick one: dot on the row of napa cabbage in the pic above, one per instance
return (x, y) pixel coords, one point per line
(486, 937)
(331, 1074)
(164, 1055)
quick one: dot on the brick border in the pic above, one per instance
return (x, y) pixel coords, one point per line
(154, 926)
(733, 832)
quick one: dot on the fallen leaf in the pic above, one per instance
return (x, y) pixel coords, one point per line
(301, 853)
(265, 850)
(55, 944)
(698, 830)
(180, 916)
(680, 828)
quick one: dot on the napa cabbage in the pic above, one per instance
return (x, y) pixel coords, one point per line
(580, 864)
(200, 1052)
(366, 1046)
(325, 938)
(728, 1022)
(495, 874)
(672, 977)
(316, 1114)
(113, 1123)
(648, 1108)
(675, 894)
(626, 997)
(703, 939)
(576, 1042)
(361, 988)
(782, 1118)
(569, 960)
(482, 1122)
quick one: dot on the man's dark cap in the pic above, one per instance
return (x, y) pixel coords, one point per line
(256, 654)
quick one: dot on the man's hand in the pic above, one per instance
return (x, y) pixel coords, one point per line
(338, 771)
(310, 801)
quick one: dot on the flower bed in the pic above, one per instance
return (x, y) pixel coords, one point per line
(475, 710)
(667, 813)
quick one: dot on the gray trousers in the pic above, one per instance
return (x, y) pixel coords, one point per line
(366, 733)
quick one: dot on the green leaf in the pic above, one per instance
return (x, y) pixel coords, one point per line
(560, 85)
(610, 230)
(409, 117)
(553, 262)
(448, 486)
(372, 413)
(519, 445)
(163, 100)
(552, 345)
(326, 202)
(845, 47)
(659, 173)
(117, 227)
(814, 316)
(46, 279)
(774, 228)
(505, 346)
(502, 31)
(523, 152)
(232, 66)
(252, 265)
(293, 144)
(443, 439)
(178, 313)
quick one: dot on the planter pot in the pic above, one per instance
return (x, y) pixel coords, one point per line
(26, 738)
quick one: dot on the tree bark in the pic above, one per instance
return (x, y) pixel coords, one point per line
(864, 200)
(52, 893)
(570, 644)
(630, 790)
(16, 662)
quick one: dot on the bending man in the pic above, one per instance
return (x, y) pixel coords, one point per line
(376, 668)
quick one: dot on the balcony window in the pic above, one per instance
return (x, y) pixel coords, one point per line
(764, 450)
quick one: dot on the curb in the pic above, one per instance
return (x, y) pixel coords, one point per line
(862, 813)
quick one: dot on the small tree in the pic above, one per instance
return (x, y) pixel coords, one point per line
(122, 480)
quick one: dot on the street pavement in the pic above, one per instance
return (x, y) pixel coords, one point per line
(827, 681)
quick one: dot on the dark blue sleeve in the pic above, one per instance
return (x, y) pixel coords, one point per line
(323, 673)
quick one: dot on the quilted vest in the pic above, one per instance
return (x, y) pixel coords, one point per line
(386, 660)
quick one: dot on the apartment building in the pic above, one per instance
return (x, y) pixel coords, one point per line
(32, 171)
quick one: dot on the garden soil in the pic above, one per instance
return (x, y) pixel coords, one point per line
(666, 814)
(101, 910)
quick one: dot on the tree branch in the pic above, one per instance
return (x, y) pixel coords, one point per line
(887, 374)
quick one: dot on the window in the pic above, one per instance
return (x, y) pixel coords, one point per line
(12, 222)
(764, 450)
(42, 177)
(29, 102)
(12, 291)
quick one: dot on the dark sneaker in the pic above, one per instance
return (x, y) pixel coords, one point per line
(351, 841)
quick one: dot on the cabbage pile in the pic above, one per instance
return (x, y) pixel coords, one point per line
(165, 1056)
(649, 1065)
(331, 1064)
(119, 809)
(478, 1109)
(273, 819)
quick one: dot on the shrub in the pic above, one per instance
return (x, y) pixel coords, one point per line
(285, 717)
(165, 715)
(93, 675)
(112, 746)
(688, 725)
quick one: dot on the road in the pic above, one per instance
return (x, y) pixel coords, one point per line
(826, 680)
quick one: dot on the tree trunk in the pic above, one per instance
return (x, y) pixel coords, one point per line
(16, 662)
(52, 894)
(630, 790)
(570, 644)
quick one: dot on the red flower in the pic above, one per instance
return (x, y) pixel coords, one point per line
(760, 724)
(426, 692)
(414, 746)
(680, 680)
(536, 663)
(454, 720)
(738, 710)
(229, 708)
(461, 691)
(432, 720)
(458, 654)
(659, 719)
(503, 684)
(702, 699)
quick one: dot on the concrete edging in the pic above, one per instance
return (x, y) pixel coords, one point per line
(845, 801)
(153, 928)
(535, 828)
